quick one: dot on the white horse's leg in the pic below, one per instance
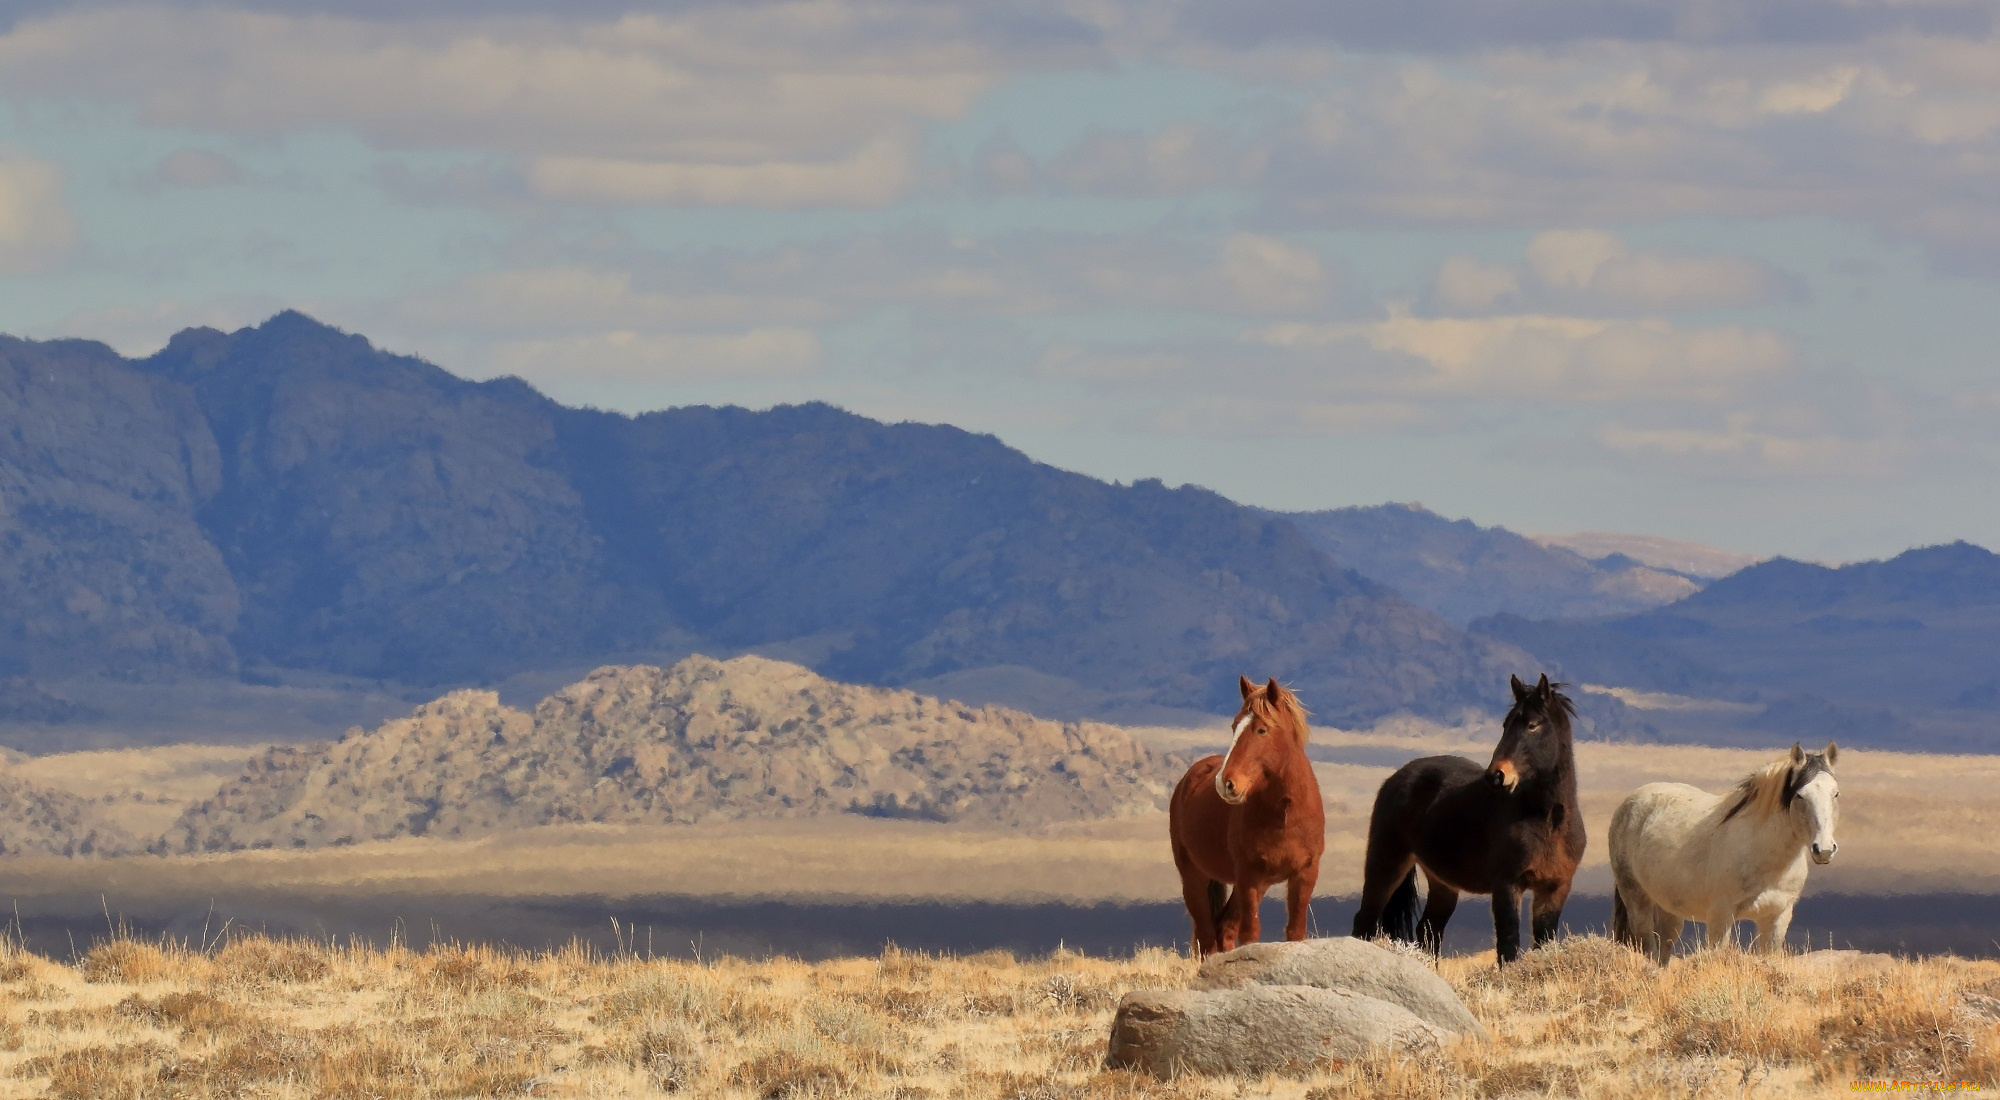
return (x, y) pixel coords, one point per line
(1666, 933)
(1719, 930)
(1771, 931)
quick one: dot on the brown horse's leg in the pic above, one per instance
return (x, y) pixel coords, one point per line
(1298, 895)
(1438, 907)
(1248, 927)
(1196, 889)
(1507, 923)
(1547, 911)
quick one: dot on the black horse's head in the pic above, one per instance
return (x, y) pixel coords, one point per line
(1535, 739)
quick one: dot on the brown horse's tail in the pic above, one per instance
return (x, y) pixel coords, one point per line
(1399, 916)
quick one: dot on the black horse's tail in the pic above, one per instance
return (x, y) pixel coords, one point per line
(1218, 898)
(1399, 916)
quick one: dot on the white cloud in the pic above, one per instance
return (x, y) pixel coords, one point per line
(37, 229)
(874, 175)
(770, 104)
(1590, 271)
(1552, 358)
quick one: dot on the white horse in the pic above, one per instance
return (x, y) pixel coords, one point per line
(1680, 854)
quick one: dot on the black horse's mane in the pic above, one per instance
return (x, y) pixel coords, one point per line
(1555, 703)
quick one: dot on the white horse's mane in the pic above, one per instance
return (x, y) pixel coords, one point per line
(1762, 791)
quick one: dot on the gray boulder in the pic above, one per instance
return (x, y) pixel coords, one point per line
(1257, 1029)
(1355, 966)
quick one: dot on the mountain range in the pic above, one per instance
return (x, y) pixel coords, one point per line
(287, 502)
(288, 510)
(1895, 653)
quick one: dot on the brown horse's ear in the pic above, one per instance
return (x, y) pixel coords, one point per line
(1248, 688)
(1272, 691)
(1542, 689)
(1798, 755)
(1520, 689)
(1832, 753)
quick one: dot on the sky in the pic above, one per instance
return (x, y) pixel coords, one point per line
(1722, 271)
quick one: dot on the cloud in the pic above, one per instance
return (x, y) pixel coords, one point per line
(1592, 272)
(875, 174)
(37, 229)
(1550, 358)
(765, 104)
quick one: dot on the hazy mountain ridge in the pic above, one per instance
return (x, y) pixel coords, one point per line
(1893, 653)
(1464, 572)
(331, 508)
(702, 740)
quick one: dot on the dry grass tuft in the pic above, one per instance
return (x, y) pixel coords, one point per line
(294, 1018)
(130, 961)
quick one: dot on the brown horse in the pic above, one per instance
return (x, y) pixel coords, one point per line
(1250, 818)
(1509, 827)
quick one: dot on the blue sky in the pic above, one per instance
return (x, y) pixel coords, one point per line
(1711, 270)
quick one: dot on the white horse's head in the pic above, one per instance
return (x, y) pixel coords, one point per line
(1813, 797)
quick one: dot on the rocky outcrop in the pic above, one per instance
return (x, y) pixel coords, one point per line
(1288, 1008)
(39, 820)
(1257, 1029)
(1351, 965)
(703, 740)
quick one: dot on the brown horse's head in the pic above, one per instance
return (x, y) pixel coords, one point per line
(1268, 735)
(1535, 739)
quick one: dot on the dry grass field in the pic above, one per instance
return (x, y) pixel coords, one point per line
(256, 1017)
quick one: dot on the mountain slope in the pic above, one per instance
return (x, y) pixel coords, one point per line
(703, 740)
(1893, 653)
(103, 565)
(1463, 571)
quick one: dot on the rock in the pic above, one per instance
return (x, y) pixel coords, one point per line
(1257, 1029)
(703, 740)
(1356, 966)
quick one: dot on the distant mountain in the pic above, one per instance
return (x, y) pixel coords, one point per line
(1896, 653)
(289, 501)
(704, 740)
(1463, 571)
(1688, 559)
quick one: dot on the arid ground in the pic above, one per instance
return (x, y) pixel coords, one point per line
(251, 1016)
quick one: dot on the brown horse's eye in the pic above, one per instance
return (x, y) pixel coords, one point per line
(1262, 731)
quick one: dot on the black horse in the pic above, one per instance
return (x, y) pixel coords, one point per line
(1509, 827)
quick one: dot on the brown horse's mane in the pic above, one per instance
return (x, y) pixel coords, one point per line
(1261, 706)
(1762, 790)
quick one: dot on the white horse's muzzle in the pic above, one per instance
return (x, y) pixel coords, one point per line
(1824, 856)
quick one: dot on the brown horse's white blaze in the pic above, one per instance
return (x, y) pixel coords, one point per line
(1233, 787)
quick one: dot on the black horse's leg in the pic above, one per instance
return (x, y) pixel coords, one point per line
(1507, 923)
(1437, 913)
(1547, 911)
(1383, 873)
